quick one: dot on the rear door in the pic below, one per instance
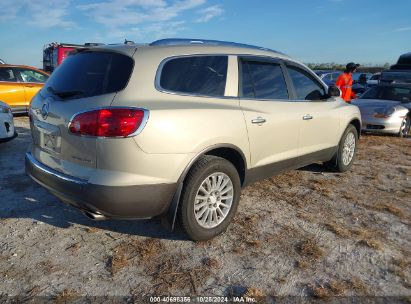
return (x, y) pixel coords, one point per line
(272, 119)
(11, 90)
(85, 81)
(320, 115)
(32, 82)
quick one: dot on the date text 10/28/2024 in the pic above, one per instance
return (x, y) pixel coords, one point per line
(201, 299)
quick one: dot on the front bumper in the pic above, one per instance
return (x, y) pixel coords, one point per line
(389, 125)
(127, 202)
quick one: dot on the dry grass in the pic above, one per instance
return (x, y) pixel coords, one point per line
(371, 244)
(253, 292)
(330, 289)
(358, 286)
(338, 229)
(125, 252)
(391, 209)
(66, 296)
(91, 229)
(171, 276)
(310, 250)
(211, 263)
(400, 267)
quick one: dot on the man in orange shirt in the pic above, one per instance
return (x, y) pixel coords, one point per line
(344, 82)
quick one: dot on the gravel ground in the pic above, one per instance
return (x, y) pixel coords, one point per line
(307, 232)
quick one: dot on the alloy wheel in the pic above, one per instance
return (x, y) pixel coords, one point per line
(213, 200)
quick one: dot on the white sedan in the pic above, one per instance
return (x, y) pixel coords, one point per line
(7, 131)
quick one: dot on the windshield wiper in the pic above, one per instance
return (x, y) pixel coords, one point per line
(64, 94)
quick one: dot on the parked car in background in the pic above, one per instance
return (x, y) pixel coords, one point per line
(374, 80)
(329, 77)
(204, 119)
(403, 63)
(18, 85)
(2, 62)
(7, 131)
(360, 82)
(396, 76)
(54, 53)
(399, 72)
(360, 76)
(386, 108)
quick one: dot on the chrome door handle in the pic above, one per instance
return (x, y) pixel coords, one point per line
(259, 120)
(307, 117)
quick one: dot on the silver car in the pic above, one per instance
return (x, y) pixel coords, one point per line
(7, 131)
(386, 109)
(178, 127)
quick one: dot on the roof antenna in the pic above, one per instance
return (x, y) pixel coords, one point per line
(128, 41)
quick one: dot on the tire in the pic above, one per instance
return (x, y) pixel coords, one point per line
(207, 227)
(339, 162)
(405, 127)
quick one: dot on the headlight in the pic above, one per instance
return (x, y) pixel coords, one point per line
(5, 109)
(384, 113)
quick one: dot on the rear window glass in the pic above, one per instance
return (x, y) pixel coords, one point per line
(202, 75)
(263, 80)
(89, 74)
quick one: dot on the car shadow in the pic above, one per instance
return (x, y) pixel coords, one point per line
(22, 198)
(316, 168)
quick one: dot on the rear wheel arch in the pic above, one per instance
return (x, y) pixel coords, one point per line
(229, 152)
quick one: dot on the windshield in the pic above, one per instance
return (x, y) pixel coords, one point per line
(402, 94)
(90, 73)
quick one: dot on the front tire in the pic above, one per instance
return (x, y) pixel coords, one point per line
(209, 198)
(405, 127)
(347, 148)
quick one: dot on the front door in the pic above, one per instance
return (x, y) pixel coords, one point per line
(320, 115)
(272, 119)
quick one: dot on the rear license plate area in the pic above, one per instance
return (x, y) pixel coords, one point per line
(47, 137)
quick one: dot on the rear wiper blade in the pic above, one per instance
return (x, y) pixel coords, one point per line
(64, 94)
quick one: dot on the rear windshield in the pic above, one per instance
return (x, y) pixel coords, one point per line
(89, 74)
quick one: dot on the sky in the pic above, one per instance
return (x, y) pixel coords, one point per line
(312, 31)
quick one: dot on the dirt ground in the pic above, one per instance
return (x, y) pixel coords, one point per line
(308, 232)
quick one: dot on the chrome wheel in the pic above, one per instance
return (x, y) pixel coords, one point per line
(348, 149)
(213, 200)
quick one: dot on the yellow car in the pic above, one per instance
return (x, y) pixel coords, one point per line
(18, 85)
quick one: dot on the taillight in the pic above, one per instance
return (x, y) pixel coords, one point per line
(109, 122)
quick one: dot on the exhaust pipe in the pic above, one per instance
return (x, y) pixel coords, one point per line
(94, 216)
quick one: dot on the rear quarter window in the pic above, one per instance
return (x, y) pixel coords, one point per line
(197, 75)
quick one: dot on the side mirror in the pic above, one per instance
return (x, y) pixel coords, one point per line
(333, 91)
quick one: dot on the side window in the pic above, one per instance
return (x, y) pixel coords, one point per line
(306, 87)
(32, 76)
(335, 76)
(263, 80)
(203, 75)
(7, 74)
(327, 77)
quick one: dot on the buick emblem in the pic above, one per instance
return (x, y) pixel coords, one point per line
(45, 109)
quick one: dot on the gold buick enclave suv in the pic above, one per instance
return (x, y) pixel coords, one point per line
(177, 127)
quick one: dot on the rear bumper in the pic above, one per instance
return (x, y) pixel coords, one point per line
(128, 202)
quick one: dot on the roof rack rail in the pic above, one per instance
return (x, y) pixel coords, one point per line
(185, 41)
